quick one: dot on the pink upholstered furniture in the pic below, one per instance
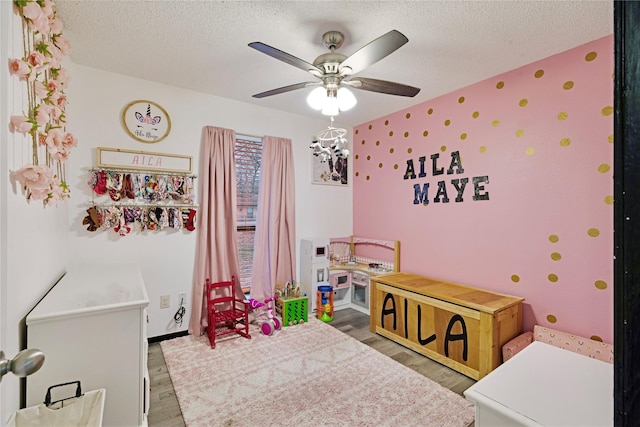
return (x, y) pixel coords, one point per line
(586, 346)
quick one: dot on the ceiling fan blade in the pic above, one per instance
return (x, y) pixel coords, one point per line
(373, 52)
(288, 58)
(285, 89)
(382, 86)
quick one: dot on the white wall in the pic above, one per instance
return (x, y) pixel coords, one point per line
(166, 257)
(33, 249)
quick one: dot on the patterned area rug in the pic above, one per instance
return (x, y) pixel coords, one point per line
(304, 375)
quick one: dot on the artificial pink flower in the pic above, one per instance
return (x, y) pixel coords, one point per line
(39, 193)
(62, 77)
(42, 116)
(55, 53)
(53, 86)
(36, 17)
(19, 68)
(63, 44)
(34, 177)
(56, 112)
(70, 140)
(54, 139)
(61, 100)
(19, 124)
(42, 91)
(37, 60)
(56, 25)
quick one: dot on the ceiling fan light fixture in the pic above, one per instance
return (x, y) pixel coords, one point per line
(316, 98)
(331, 107)
(346, 99)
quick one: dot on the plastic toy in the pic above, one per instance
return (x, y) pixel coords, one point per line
(268, 322)
(326, 317)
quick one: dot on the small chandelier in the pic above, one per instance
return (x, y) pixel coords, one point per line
(330, 141)
(331, 100)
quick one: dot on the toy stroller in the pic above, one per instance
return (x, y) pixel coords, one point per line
(268, 322)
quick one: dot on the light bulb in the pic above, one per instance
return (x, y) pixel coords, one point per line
(330, 107)
(316, 98)
(346, 99)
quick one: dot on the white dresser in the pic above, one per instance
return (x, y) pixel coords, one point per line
(544, 385)
(91, 327)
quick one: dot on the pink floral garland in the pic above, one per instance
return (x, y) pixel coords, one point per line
(44, 121)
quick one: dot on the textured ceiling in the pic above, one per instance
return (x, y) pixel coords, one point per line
(202, 45)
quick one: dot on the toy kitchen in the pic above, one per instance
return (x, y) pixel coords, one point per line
(345, 263)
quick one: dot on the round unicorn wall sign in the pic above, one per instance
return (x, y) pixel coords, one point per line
(146, 121)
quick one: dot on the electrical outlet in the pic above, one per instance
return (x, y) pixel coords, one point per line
(182, 298)
(165, 301)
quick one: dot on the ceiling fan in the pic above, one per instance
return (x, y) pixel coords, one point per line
(333, 69)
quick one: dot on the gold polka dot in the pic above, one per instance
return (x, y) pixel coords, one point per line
(500, 85)
(409, 150)
(380, 165)
(368, 177)
(461, 100)
(601, 284)
(386, 122)
(610, 139)
(483, 149)
(390, 133)
(475, 114)
(551, 318)
(563, 115)
(391, 150)
(593, 232)
(596, 338)
(519, 132)
(567, 85)
(363, 142)
(357, 173)
(443, 148)
(406, 134)
(395, 166)
(530, 151)
(408, 116)
(368, 157)
(607, 111)
(357, 156)
(425, 133)
(553, 278)
(553, 238)
(370, 127)
(523, 103)
(495, 123)
(447, 122)
(590, 56)
(463, 136)
(608, 199)
(556, 256)
(515, 278)
(564, 142)
(430, 111)
(604, 168)
(377, 142)
(539, 74)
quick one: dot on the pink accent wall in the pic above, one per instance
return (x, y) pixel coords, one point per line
(543, 135)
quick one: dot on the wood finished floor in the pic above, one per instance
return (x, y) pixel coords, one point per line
(165, 411)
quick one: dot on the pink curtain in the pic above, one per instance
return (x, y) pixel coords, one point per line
(274, 257)
(216, 246)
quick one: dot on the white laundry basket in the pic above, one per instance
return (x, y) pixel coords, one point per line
(82, 410)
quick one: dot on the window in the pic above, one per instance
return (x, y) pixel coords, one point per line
(248, 155)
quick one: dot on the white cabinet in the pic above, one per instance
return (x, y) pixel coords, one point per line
(91, 327)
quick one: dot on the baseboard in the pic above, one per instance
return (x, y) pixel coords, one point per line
(167, 337)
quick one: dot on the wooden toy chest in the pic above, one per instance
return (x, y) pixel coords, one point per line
(292, 310)
(459, 326)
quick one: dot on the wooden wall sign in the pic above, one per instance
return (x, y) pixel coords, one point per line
(459, 326)
(115, 158)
